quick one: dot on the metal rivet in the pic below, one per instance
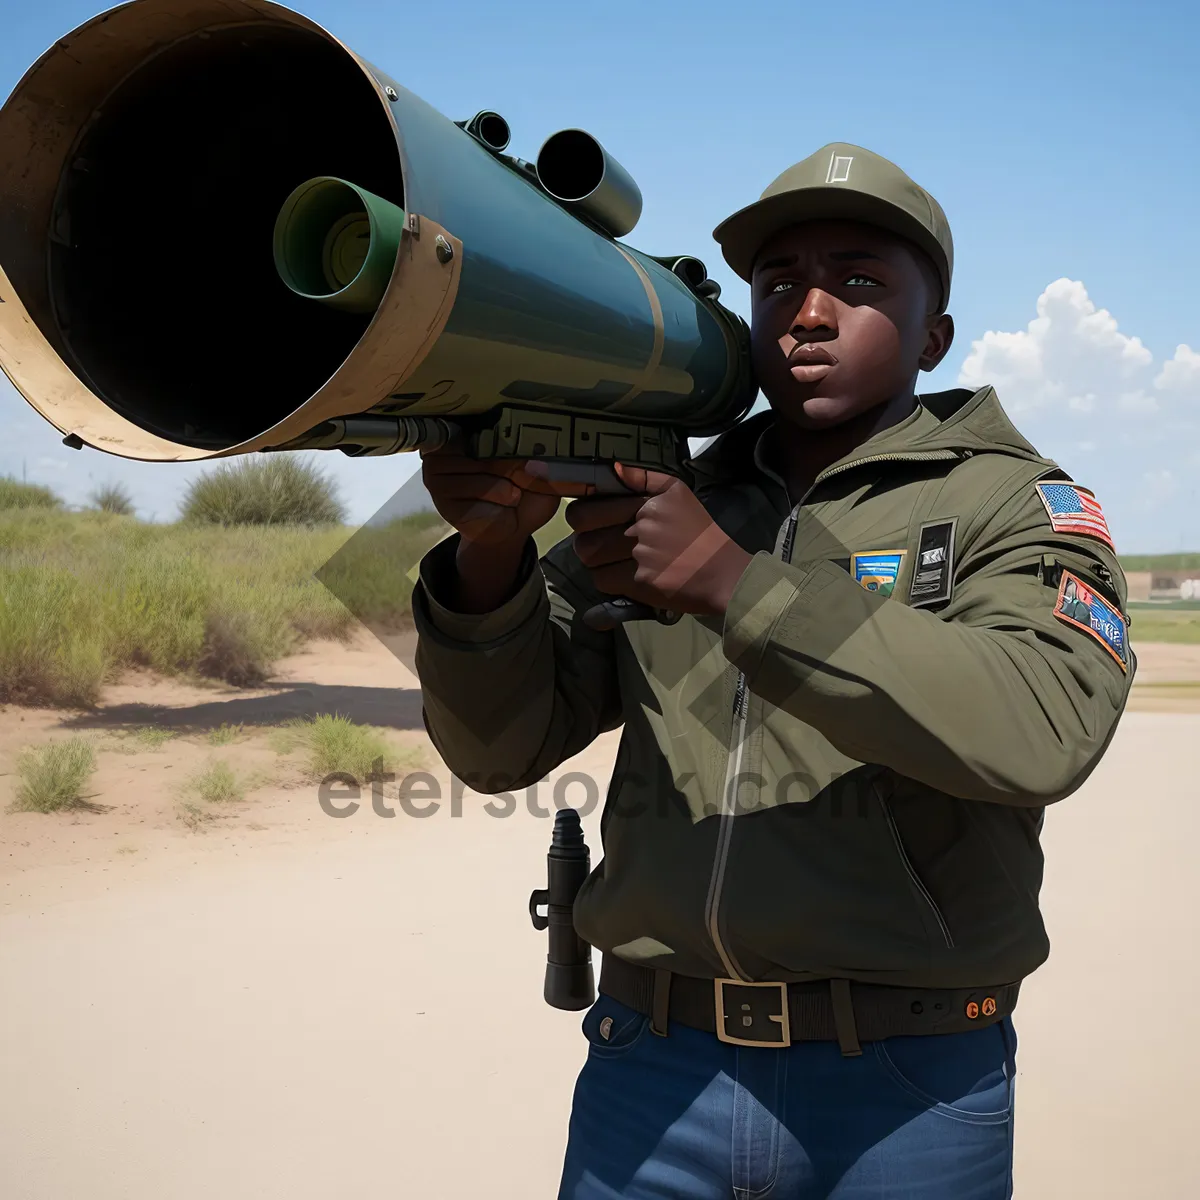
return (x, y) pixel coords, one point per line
(391, 93)
(443, 249)
(606, 1028)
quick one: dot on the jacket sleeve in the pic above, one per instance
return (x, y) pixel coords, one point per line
(509, 695)
(993, 698)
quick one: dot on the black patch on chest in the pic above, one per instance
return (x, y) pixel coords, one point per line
(933, 571)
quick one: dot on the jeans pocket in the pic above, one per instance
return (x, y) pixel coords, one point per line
(964, 1076)
(613, 1029)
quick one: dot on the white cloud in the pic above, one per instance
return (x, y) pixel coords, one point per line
(1181, 373)
(1092, 397)
(1071, 353)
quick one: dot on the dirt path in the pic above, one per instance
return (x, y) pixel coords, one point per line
(290, 1004)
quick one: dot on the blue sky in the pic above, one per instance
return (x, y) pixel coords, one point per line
(1061, 139)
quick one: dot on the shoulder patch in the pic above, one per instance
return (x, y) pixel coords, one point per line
(877, 570)
(933, 575)
(1079, 605)
(1074, 509)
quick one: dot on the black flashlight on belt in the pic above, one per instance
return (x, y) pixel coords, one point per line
(569, 980)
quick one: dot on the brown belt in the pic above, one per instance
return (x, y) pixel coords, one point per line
(778, 1014)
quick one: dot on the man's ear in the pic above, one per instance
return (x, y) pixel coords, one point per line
(938, 342)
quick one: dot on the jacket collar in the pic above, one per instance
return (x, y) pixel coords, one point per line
(959, 420)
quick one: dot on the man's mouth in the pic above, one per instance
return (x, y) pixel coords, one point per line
(810, 354)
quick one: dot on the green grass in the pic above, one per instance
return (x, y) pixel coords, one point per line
(369, 573)
(373, 575)
(226, 734)
(333, 744)
(1178, 626)
(152, 737)
(83, 595)
(134, 741)
(270, 490)
(216, 783)
(53, 776)
(1160, 562)
(15, 494)
(1165, 605)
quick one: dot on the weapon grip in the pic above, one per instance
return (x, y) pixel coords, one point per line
(614, 612)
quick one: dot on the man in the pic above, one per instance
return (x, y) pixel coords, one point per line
(818, 895)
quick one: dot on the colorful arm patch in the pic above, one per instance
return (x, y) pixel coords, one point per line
(1074, 509)
(1078, 605)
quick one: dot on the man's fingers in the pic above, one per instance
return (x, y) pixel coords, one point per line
(565, 489)
(492, 489)
(439, 463)
(648, 483)
(601, 547)
(597, 512)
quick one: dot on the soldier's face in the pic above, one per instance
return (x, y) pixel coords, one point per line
(842, 321)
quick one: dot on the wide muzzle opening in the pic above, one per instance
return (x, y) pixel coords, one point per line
(164, 280)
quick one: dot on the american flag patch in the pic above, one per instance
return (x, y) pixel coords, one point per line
(1074, 509)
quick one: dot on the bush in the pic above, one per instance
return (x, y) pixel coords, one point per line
(52, 776)
(216, 783)
(271, 490)
(336, 744)
(113, 498)
(15, 494)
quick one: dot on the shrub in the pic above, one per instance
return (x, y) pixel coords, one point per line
(336, 744)
(15, 494)
(52, 777)
(225, 734)
(217, 782)
(113, 498)
(270, 490)
(239, 647)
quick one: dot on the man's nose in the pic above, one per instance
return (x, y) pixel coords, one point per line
(818, 314)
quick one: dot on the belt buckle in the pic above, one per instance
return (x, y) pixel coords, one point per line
(750, 1014)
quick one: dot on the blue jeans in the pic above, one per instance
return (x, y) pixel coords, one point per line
(688, 1117)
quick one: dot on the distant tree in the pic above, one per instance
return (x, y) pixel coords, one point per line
(271, 490)
(113, 498)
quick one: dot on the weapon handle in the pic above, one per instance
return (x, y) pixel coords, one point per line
(614, 612)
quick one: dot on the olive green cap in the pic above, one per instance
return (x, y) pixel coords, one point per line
(840, 182)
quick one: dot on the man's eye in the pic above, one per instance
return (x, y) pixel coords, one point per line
(861, 279)
(779, 287)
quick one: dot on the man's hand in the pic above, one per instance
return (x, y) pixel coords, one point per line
(496, 508)
(659, 547)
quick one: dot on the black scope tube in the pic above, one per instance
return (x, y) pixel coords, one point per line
(570, 983)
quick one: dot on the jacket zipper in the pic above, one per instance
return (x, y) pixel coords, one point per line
(917, 881)
(741, 707)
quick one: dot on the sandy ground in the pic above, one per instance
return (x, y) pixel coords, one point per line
(286, 1004)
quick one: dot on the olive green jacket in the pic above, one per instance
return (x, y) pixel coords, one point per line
(847, 777)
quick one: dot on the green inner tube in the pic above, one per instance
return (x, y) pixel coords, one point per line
(337, 244)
